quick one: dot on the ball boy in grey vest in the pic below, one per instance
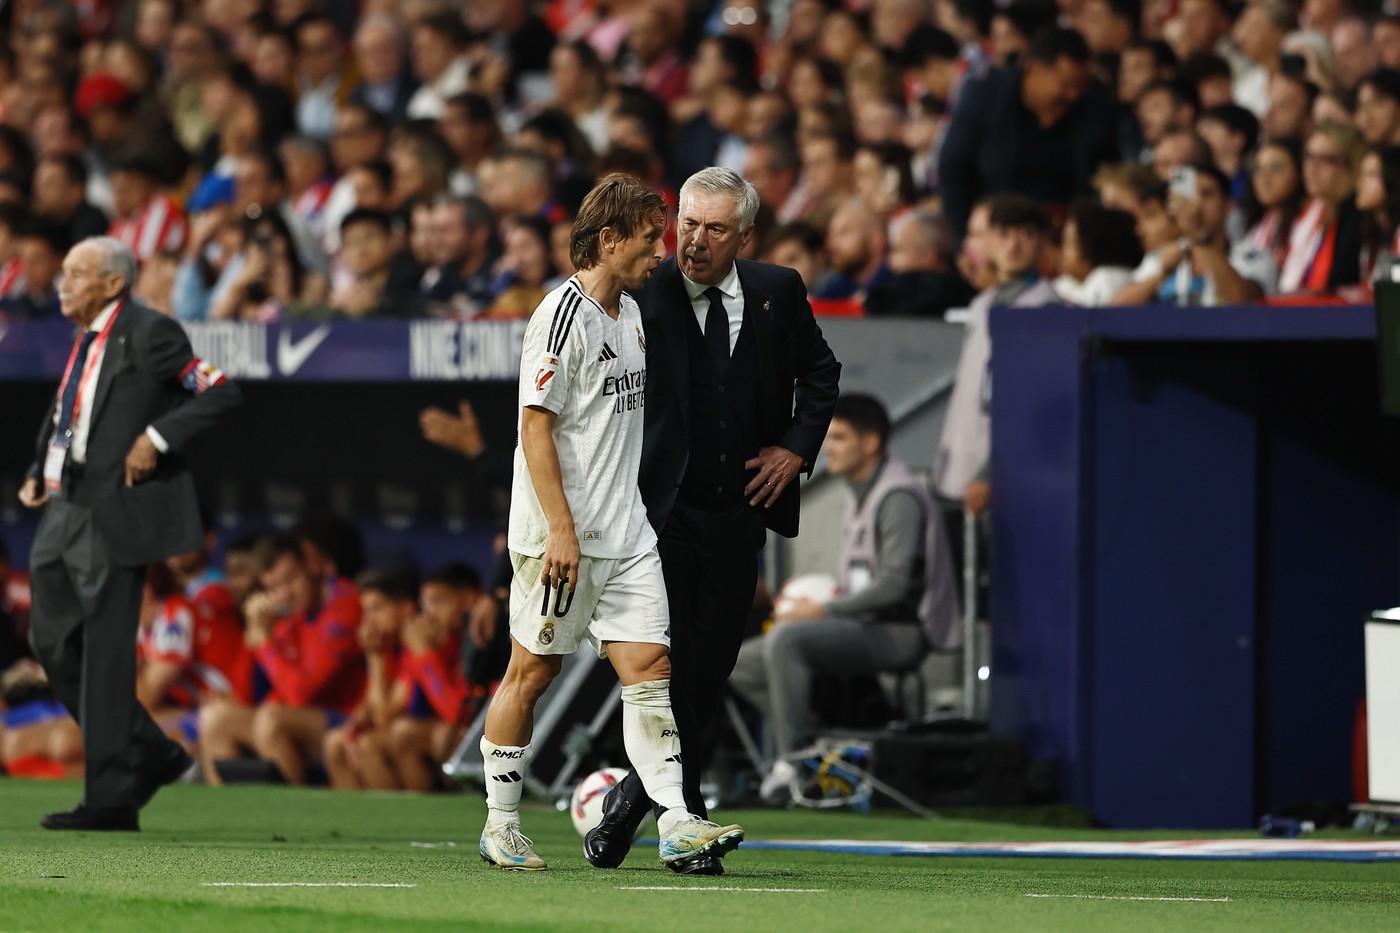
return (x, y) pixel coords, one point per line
(896, 598)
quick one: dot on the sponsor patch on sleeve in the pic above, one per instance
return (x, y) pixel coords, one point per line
(200, 375)
(549, 365)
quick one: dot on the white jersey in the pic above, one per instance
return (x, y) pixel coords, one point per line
(591, 371)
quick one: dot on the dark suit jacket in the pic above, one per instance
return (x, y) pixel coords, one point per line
(404, 89)
(982, 148)
(138, 385)
(797, 383)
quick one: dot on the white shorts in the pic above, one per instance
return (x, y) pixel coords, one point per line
(615, 600)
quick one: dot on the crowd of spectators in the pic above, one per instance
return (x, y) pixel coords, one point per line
(367, 158)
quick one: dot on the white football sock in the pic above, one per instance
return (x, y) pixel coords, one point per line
(653, 743)
(505, 780)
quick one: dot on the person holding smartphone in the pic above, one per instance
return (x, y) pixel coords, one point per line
(1200, 267)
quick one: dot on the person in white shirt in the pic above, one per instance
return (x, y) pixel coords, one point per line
(585, 557)
(1098, 252)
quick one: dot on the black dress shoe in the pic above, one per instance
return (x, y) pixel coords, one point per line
(93, 819)
(607, 844)
(167, 771)
(705, 865)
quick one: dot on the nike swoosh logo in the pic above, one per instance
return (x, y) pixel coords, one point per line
(291, 354)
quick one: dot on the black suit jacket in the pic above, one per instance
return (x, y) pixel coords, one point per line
(981, 151)
(797, 383)
(138, 385)
(404, 89)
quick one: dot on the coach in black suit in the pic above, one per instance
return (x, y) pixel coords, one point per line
(740, 390)
(116, 496)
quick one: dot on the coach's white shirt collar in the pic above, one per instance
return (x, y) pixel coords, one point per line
(728, 287)
(101, 320)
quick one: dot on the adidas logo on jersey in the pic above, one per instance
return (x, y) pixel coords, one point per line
(607, 354)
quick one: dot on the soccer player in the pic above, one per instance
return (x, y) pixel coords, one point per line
(584, 555)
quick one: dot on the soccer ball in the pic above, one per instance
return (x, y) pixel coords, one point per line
(586, 806)
(817, 587)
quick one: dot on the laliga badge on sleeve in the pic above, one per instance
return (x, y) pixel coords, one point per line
(53, 468)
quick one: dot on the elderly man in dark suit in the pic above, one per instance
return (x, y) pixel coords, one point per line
(116, 496)
(740, 389)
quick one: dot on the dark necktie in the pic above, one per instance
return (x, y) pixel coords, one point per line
(717, 329)
(75, 376)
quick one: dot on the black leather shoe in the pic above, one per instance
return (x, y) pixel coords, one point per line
(168, 771)
(93, 819)
(607, 844)
(705, 865)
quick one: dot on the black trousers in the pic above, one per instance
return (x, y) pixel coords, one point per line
(85, 614)
(709, 558)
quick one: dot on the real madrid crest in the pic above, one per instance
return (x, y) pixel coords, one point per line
(547, 634)
(641, 340)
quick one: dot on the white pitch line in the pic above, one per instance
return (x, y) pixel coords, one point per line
(306, 884)
(1115, 897)
(751, 890)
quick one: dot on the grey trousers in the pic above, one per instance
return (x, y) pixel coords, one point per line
(83, 629)
(775, 670)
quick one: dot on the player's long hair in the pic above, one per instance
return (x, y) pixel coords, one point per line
(621, 202)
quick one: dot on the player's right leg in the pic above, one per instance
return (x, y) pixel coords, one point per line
(546, 623)
(505, 753)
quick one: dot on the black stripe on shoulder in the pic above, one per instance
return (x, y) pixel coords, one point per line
(568, 326)
(562, 313)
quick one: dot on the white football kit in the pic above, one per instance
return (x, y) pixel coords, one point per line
(590, 370)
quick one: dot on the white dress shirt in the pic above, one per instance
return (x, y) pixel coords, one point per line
(733, 294)
(77, 447)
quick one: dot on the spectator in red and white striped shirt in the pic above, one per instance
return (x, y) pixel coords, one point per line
(146, 218)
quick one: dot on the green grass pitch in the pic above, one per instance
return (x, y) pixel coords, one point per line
(160, 879)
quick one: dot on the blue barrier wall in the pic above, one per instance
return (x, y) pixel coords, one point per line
(1194, 510)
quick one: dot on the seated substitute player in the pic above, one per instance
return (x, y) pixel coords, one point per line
(309, 670)
(440, 698)
(357, 753)
(584, 554)
(417, 702)
(190, 645)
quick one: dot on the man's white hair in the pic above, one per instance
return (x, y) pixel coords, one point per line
(716, 180)
(117, 259)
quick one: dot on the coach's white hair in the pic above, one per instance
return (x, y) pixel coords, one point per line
(716, 180)
(117, 259)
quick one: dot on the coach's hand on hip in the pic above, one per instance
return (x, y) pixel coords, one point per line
(141, 462)
(32, 495)
(776, 468)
